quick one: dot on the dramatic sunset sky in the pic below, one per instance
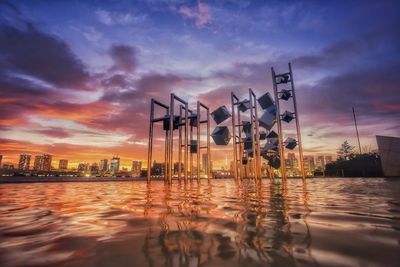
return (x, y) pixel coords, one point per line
(76, 77)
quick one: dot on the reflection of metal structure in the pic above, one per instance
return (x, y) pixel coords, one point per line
(184, 123)
(285, 94)
(249, 146)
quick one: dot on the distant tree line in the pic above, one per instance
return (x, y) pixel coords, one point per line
(351, 164)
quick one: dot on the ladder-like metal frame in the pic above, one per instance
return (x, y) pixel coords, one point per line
(237, 144)
(199, 146)
(277, 94)
(171, 136)
(183, 139)
(153, 120)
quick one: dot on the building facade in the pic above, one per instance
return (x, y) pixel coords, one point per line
(136, 168)
(63, 164)
(389, 152)
(24, 162)
(103, 167)
(114, 165)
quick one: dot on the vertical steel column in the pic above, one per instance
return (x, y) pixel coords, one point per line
(209, 172)
(191, 155)
(198, 141)
(186, 141)
(150, 146)
(278, 121)
(355, 124)
(166, 156)
(235, 161)
(242, 174)
(254, 163)
(257, 153)
(180, 147)
(303, 173)
(171, 138)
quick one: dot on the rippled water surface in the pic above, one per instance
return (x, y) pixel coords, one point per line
(328, 222)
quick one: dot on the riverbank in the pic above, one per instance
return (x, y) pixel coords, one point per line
(61, 179)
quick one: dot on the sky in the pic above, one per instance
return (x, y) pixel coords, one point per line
(76, 77)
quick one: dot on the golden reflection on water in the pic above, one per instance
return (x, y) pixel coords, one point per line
(326, 222)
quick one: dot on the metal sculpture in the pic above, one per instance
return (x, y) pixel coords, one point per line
(184, 123)
(280, 80)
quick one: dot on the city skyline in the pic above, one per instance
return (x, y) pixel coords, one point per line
(23, 163)
(78, 84)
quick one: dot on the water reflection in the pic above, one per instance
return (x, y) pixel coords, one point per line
(326, 222)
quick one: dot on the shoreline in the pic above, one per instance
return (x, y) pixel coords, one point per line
(54, 179)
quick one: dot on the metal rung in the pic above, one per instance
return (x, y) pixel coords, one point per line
(204, 121)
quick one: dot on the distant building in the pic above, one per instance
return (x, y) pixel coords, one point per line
(8, 167)
(1, 158)
(389, 152)
(292, 165)
(38, 163)
(320, 163)
(309, 164)
(176, 167)
(136, 168)
(103, 165)
(24, 162)
(94, 168)
(63, 164)
(83, 167)
(47, 159)
(114, 166)
(157, 168)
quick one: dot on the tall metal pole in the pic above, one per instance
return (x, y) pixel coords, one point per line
(253, 145)
(303, 173)
(166, 156)
(258, 153)
(355, 123)
(186, 141)
(171, 138)
(198, 141)
(241, 175)
(191, 154)
(209, 173)
(278, 121)
(234, 147)
(180, 147)
(150, 148)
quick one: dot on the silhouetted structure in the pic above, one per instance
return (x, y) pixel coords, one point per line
(359, 165)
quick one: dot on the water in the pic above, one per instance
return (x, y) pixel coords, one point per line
(329, 222)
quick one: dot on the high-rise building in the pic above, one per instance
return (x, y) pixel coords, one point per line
(114, 166)
(94, 168)
(292, 165)
(158, 168)
(47, 159)
(1, 158)
(309, 165)
(24, 162)
(38, 163)
(83, 167)
(103, 165)
(63, 164)
(320, 163)
(136, 168)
